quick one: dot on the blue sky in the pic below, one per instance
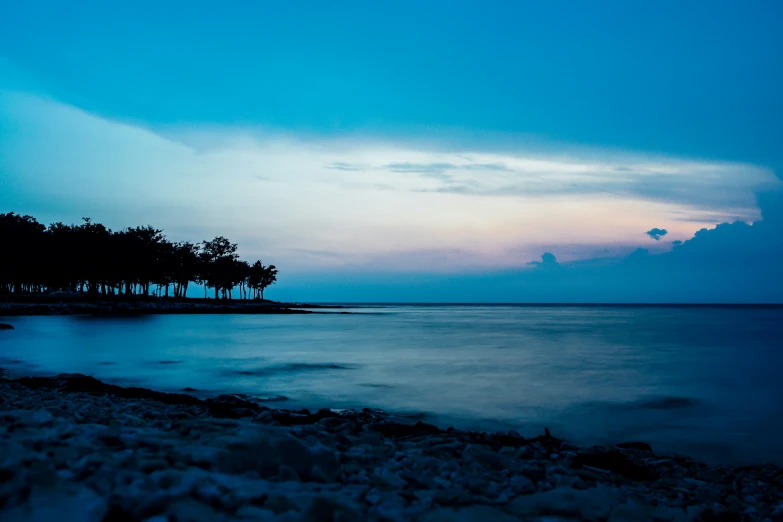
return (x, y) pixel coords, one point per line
(360, 145)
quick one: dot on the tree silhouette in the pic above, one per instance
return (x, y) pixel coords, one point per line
(219, 255)
(22, 239)
(187, 265)
(90, 258)
(260, 278)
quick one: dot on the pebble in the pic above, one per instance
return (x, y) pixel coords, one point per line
(89, 457)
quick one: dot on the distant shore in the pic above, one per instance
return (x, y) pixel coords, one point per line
(26, 305)
(75, 445)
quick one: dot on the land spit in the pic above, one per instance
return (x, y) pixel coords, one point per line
(48, 305)
(74, 448)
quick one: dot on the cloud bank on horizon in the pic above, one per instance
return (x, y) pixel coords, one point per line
(316, 204)
(656, 178)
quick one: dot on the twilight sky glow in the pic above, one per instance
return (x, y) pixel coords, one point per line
(402, 152)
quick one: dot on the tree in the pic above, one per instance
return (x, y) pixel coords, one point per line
(89, 257)
(241, 273)
(22, 239)
(186, 267)
(260, 278)
(219, 255)
(269, 278)
(144, 254)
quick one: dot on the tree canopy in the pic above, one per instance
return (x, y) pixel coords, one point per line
(91, 258)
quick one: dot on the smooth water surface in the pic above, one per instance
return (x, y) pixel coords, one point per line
(705, 382)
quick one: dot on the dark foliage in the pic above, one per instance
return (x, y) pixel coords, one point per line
(93, 259)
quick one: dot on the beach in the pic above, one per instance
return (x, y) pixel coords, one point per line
(75, 448)
(125, 305)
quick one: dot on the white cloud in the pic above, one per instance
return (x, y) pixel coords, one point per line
(308, 202)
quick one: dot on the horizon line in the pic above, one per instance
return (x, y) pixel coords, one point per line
(534, 304)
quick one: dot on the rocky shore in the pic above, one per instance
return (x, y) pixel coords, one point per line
(74, 448)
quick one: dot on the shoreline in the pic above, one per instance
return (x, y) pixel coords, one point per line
(132, 305)
(72, 441)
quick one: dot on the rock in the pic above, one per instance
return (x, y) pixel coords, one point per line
(511, 439)
(632, 511)
(395, 429)
(535, 473)
(75, 382)
(254, 513)
(468, 514)
(589, 504)
(384, 478)
(485, 458)
(724, 515)
(328, 509)
(616, 462)
(4, 326)
(641, 446)
(190, 510)
(156, 518)
(295, 454)
(522, 485)
(301, 419)
(245, 456)
(231, 406)
(287, 474)
(74, 504)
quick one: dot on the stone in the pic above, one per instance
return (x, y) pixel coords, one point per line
(395, 429)
(384, 478)
(255, 513)
(640, 446)
(328, 509)
(592, 504)
(243, 456)
(295, 454)
(485, 458)
(521, 485)
(723, 515)
(190, 510)
(467, 514)
(616, 462)
(74, 504)
(287, 474)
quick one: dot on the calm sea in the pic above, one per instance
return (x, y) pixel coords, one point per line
(704, 382)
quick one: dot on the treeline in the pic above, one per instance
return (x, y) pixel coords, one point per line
(94, 259)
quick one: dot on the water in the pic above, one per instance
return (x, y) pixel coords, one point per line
(704, 382)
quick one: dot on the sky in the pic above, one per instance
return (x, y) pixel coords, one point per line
(451, 151)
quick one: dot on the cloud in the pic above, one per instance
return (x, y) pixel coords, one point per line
(419, 168)
(443, 209)
(487, 166)
(341, 165)
(657, 233)
(729, 263)
(548, 261)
